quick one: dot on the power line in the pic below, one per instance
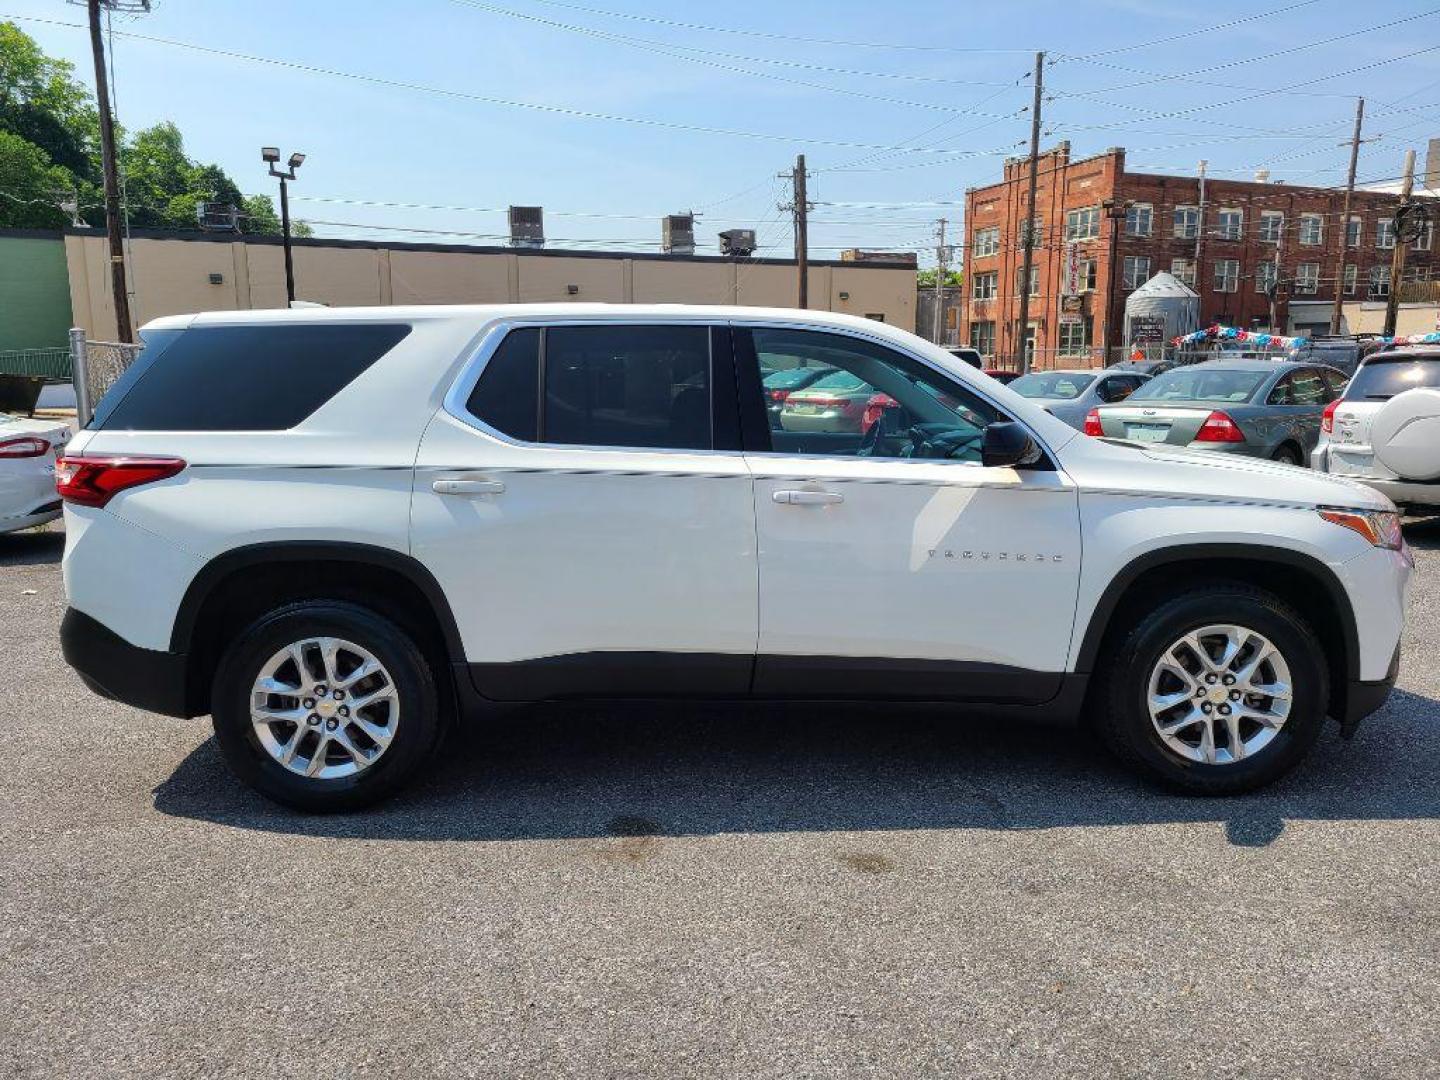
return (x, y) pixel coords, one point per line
(770, 35)
(555, 110)
(1187, 34)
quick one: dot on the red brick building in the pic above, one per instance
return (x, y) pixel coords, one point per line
(1126, 227)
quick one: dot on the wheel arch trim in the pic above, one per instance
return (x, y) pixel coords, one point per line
(1104, 610)
(223, 566)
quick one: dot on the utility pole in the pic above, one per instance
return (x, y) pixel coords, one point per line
(1274, 290)
(1028, 233)
(1397, 258)
(802, 232)
(942, 270)
(1344, 230)
(123, 327)
(1200, 231)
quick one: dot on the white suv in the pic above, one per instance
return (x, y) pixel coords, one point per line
(1384, 430)
(334, 530)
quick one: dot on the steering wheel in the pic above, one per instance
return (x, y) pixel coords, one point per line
(940, 441)
(872, 445)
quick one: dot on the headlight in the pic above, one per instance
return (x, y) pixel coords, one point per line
(1380, 527)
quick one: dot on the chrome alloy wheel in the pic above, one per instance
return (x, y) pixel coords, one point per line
(324, 708)
(1220, 694)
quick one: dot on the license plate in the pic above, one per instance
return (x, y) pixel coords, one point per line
(806, 410)
(1147, 432)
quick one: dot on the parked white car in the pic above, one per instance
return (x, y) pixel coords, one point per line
(1384, 430)
(28, 449)
(333, 530)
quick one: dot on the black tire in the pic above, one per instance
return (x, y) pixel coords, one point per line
(1286, 455)
(1121, 714)
(417, 731)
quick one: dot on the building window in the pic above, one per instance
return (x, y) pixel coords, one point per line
(1385, 233)
(1075, 337)
(982, 337)
(1087, 275)
(1423, 243)
(1187, 222)
(1034, 229)
(1034, 280)
(1312, 230)
(1353, 228)
(1083, 224)
(984, 286)
(1138, 219)
(1227, 275)
(1137, 271)
(1272, 226)
(1184, 269)
(986, 242)
(1379, 282)
(1265, 274)
(1307, 279)
(1231, 224)
(1350, 278)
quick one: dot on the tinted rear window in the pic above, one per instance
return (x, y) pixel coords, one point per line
(241, 378)
(507, 397)
(1380, 380)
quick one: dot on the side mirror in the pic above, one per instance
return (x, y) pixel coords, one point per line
(1007, 444)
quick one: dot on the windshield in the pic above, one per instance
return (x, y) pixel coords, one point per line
(1380, 380)
(1052, 384)
(1201, 384)
(792, 377)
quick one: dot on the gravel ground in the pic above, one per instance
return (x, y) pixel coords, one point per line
(708, 892)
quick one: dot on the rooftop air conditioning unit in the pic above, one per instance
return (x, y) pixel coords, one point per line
(527, 226)
(739, 242)
(217, 217)
(677, 234)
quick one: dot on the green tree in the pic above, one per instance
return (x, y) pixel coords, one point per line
(30, 186)
(42, 103)
(925, 279)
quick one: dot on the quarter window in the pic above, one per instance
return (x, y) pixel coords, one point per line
(508, 394)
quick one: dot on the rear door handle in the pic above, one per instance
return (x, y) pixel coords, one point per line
(467, 487)
(800, 497)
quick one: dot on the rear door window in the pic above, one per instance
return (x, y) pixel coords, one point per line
(627, 386)
(241, 378)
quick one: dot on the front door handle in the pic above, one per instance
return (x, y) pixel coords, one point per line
(801, 497)
(467, 487)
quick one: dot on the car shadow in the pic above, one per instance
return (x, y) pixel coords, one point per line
(1423, 533)
(568, 771)
(32, 547)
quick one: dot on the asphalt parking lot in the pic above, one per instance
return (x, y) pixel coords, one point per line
(710, 892)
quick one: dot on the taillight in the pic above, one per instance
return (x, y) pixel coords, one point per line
(778, 396)
(94, 481)
(1327, 418)
(875, 408)
(23, 447)
(1219, 428)
(1092, 423)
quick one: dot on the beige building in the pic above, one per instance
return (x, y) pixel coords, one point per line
(174, 274)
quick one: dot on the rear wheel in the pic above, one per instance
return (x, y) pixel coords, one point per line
(1218, 691)
(324, 706)
(1286, 455)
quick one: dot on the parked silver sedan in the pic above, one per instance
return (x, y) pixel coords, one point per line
(1261, 408)
(1071, 393)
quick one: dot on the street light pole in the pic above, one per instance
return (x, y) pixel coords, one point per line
(271, 155)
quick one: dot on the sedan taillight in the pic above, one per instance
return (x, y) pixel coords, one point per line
(1092, 423)
(26, 446)
(94, 481)
(1219, 428)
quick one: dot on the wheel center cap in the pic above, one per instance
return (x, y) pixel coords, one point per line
(326, 708)
(1217, 694)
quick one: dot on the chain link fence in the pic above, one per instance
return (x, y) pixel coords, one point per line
(95, 366)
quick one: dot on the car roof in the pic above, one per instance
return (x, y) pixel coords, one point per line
(1258, 366)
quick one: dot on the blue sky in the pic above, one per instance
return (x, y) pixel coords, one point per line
(949, 98)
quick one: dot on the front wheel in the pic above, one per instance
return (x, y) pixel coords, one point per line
(1218, 691)
(324, 706)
